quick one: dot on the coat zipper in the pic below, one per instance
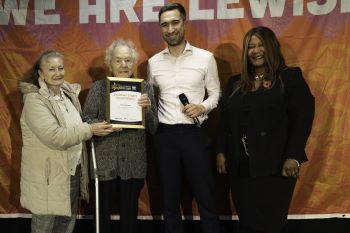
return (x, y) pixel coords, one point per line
(48, 168)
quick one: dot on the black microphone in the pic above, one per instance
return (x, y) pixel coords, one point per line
(184, 101)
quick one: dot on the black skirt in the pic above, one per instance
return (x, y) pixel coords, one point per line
(261, 203)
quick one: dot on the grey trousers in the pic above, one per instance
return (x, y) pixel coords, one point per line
(55, 223)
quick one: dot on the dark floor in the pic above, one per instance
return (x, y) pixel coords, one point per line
(332, 225)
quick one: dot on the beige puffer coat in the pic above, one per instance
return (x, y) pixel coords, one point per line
(45, 177)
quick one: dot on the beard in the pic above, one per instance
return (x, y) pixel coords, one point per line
(177, 40)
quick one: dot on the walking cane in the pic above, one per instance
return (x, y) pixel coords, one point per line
(97, 218)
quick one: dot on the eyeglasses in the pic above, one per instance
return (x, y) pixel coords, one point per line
(122, 61)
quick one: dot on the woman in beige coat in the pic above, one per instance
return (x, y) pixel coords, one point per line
(54, 160)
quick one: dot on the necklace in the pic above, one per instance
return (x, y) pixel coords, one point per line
(259, 77)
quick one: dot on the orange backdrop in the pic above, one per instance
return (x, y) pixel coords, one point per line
(315, 35)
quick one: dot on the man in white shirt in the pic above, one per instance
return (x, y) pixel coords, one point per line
(181, 144)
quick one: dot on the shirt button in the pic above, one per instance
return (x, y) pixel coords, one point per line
(262, 133)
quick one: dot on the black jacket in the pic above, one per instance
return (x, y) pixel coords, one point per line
(278, 125)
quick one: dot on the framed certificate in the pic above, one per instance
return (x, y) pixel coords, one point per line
(122, 109)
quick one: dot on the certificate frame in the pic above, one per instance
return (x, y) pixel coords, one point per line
(119, 87)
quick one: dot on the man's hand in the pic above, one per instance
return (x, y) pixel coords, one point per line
(193, 110)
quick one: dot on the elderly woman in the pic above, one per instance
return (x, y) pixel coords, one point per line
(121, 156)
(267, 115)
(54, 161)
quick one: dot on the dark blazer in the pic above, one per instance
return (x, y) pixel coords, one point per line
(279, 124)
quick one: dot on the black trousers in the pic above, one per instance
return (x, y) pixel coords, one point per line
(186, 148)
(129, 191)
(261, 203)
(245, 229)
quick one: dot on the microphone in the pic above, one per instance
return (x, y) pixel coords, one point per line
(184, 101)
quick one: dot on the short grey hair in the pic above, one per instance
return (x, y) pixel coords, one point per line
(49, 54)
(117, 43)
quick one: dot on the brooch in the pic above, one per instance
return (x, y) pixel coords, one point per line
(266, 84)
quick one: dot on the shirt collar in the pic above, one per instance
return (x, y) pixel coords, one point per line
(188, 48)
(56, 97)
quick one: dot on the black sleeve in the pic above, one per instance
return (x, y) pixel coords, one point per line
(91, 110)
(221, 144)
(151, 115)
(300, 111)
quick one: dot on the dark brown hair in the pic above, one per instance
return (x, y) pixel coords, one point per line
(173, 6)
(273, 57)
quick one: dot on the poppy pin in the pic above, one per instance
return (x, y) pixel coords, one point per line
(267, 84)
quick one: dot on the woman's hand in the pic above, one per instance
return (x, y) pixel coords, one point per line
(144, 102)
(221, 163)
(103, 128)
(291, 168)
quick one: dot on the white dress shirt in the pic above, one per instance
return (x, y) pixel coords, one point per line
(193, 73)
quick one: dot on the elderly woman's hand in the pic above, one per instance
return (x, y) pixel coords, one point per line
(102, 128)
(291, 168)
(145, 102)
